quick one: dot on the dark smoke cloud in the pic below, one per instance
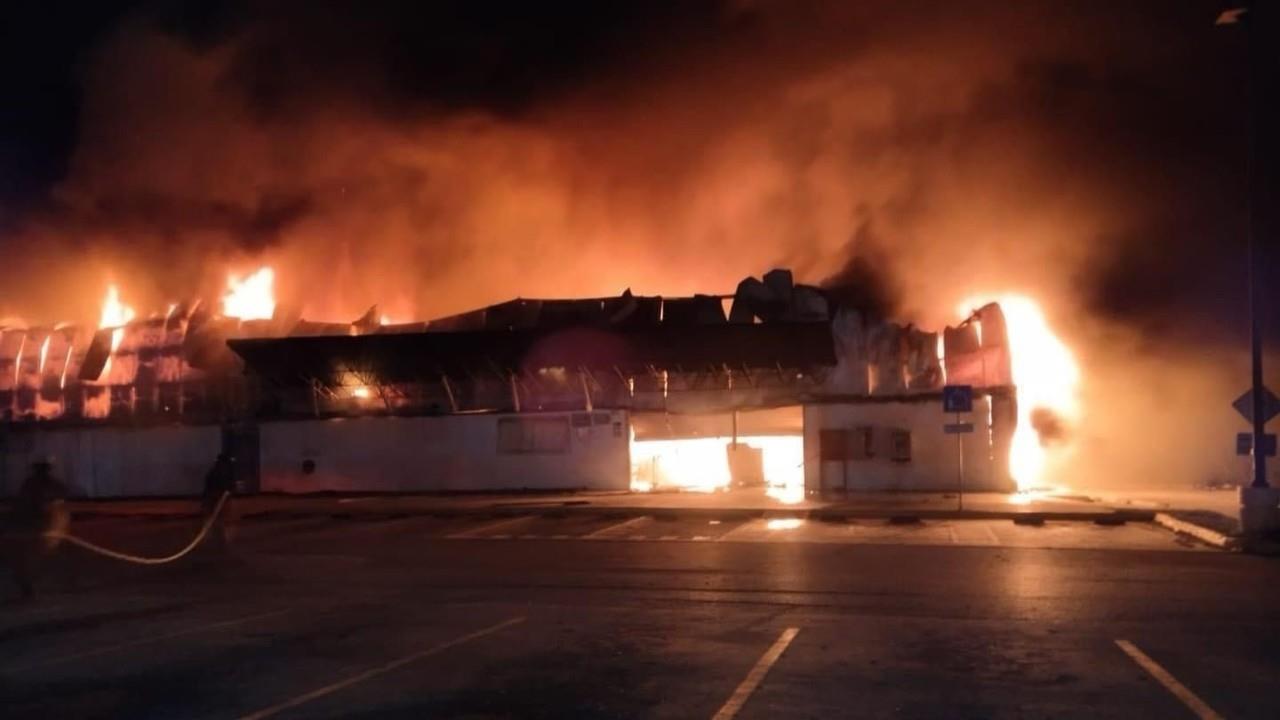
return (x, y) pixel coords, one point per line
(410, 144)
(862, 283)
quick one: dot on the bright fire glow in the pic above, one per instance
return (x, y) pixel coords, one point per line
(17, 360)
(361, 391)
(702, 464)
(252, 297)
(784, 523)
(1046, 376)
(44, 353)
(66, 363)
(115, 315)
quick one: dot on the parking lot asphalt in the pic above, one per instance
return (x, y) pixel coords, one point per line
(635, 617)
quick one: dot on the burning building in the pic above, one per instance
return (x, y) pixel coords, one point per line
(777, 386)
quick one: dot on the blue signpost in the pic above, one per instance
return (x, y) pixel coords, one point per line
(958, 399)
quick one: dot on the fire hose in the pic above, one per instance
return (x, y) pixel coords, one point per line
(137, 559)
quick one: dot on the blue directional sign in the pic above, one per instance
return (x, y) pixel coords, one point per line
(1244, 444)
(957, 398)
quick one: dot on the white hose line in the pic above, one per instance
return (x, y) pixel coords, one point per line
(139, 560)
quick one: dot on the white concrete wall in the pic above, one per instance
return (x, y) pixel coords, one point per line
(104, 462)
(933, 464)
(452, 452)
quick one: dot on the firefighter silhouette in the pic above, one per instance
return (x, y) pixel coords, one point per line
(38, 513)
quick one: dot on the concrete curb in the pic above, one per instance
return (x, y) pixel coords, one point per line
(1205, 535)
(580, 507)
(838, 514)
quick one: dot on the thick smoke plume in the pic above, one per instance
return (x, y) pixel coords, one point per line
(435, 160)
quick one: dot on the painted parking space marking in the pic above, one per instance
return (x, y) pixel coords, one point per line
(1170, 683)
(380, 670)
(95, 652)
(753, 679)
(995, 540)
(605, 531)
(487, 528)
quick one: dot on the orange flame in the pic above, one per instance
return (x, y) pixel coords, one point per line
(66, 363)
(17, 360)
(252, 297)
(44, 353)
(702, 464)
(1046, 376)
(115, 315)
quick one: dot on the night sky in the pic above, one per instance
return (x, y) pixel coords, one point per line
(165, 136)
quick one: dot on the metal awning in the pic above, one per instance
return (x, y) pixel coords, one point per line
(414, 357)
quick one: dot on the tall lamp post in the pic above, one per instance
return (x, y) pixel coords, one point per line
(1240, 16)
(1258, 501)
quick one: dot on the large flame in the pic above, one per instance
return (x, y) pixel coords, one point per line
(702, 464)
(115, 315)
(1046, 376)
(252, 297)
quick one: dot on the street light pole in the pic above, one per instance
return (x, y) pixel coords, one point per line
(1240, 16)
(1255, 264)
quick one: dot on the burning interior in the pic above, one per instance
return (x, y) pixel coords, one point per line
(777, 387)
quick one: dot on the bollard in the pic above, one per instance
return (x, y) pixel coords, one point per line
(1259, 511)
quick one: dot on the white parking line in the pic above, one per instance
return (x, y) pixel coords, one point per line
(753, 679)
(992, 534)
(477, 531)
(615, 526)
(381, 670)
(1170, 683)
(143, 641)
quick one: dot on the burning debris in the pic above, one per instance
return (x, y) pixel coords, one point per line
(772, 343)
(170, 364)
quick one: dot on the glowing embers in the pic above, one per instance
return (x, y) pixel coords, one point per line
(252, 297)
(1047, 379)
(703, 464)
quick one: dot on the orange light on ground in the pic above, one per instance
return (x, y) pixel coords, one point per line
(252, 297)
(1045, 374)
(784, 523)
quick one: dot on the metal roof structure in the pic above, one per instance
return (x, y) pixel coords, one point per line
(424, 356)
